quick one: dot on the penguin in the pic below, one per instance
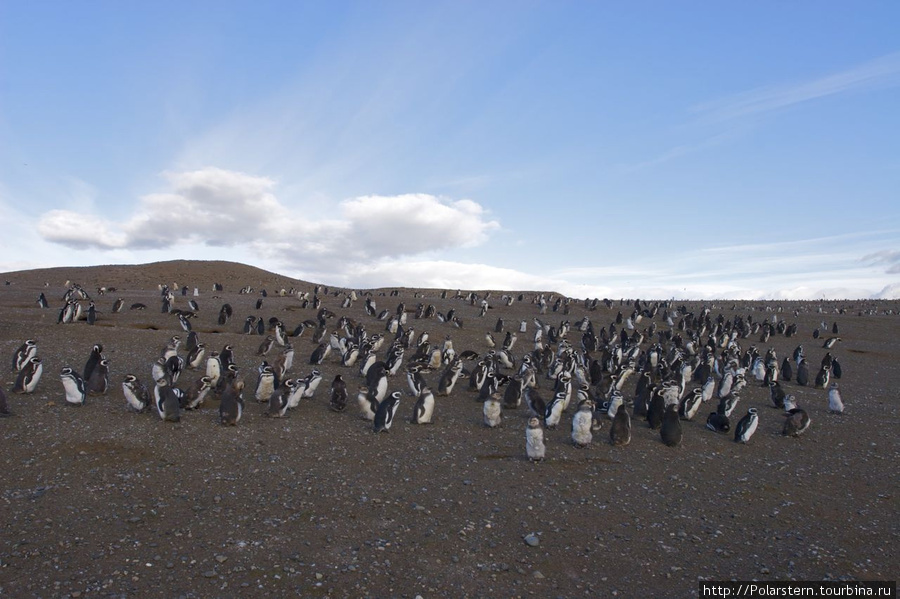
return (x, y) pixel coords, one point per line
(656, 411)
(29, 376)
(534, 440)
(384, 415)
(746, 426)
(266, 346)
(185, 323)
(250, 325)
(492, 411)
(535, 402)
(553, 411)
(831, 342)
(512, 397)
(195, 356)
(449, 377)
(168, 404)
(823, 377)
(98, 383)
(338, 394)
(311, 383)
(620, 431)
(670, 430)
(787, 371)
(582, 423)
(802, 373)
(423, 411)
(174, 367)
(727, 404)
(790, 402)
(92, 361)
(42, 301)
(25, 352)
(718, 423)
(193, 340)
(136, 395)
(265, 384)
(368, 405)
(691, 404)
(214, 368)
(193, 304)
(320, 353)
(279, 401)
(797, 423)
(73, 385)
(835, 368)
(231, 408)
(835, 404)
(776, 394)
(195, 396)
(118, 305)
(226, 357)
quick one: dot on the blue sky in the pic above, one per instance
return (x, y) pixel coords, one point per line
(658, 149)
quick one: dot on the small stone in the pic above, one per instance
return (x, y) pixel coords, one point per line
(209, 574)
(532, 540)
(763, 570)
(537, 574)
(221, 559)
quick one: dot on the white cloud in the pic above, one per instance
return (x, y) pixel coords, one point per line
(220, 208)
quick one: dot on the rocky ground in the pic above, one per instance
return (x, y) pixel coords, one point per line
(101, 502)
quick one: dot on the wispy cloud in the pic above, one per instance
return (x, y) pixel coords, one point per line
(879, 73)
(889, 257)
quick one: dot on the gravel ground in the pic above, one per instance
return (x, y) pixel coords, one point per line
(99, 501)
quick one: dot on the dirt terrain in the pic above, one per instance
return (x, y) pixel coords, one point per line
(99, 501)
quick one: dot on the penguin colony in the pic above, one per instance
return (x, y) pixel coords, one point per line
(658, 366)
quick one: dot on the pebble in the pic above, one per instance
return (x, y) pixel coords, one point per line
(531, 540)
(537, 574)
(221, 559)
(209, 574)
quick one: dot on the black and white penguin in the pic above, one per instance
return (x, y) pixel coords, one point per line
(620, 431)
(98, 382)
(368, 405)
(802, 373)
(42, 301)
(320, 353)
(823, 377)
(265, 383)
(534, 440)
(718, 423)
(727, 404)
(25, 352)
(193, 340)
(384, 415)
(553, 411)
(231, 408)
(582, 424)
(746, 426)
(835, 368)
(214, 368)
(311, 383)
(92, 361)
(776, 394)
(118, 305)
(279, 401)
(73, 385)
(195, 356)
(136, 395)
(670, 430)
(835, 403)
(787, 371)
(338, 402)
(796, 423)
(492, 411)
(266, 346)
(690, 405)
(423, 411)
(535, 402)
(29, 376)
(226, 357)
(449, 377)
(167, 401)
(656, 410)
(174, 366)
(185, 323)
(196, 394)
